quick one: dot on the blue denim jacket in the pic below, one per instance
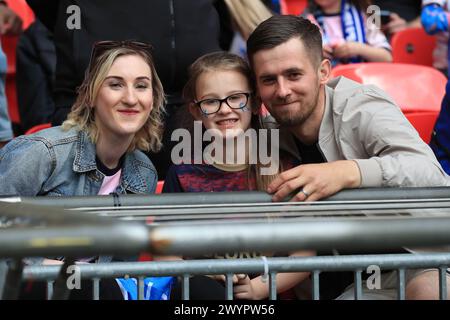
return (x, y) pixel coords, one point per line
(54, 162)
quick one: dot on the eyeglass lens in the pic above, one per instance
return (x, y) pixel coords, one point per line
(234, 101)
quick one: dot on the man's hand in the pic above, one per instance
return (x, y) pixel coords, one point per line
(10, 22)
(315, 181)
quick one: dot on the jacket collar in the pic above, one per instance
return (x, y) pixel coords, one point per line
(132, 179)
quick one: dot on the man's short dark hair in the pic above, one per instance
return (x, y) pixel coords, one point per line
(279, 29)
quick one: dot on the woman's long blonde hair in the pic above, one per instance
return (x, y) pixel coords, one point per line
(82, 114)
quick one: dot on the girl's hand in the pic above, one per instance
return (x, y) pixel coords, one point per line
(243, 289)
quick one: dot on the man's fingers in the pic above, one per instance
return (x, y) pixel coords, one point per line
(283, 177)
(304, 194)
(314, 197)
(287, 188)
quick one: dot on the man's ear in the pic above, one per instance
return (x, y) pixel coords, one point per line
(324, 71)
(195, 111)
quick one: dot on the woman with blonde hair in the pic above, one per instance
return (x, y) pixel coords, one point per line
(97, 149)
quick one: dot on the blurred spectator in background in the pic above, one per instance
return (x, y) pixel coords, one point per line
(10, 24)
(434, 19)
(403, 14)
(35, 74)
(347, 37)
(440, 139)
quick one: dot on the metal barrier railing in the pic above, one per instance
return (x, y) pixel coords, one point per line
(272, 266)
(58, 226)
(202, 198)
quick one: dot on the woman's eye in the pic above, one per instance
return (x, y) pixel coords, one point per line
(142, 85)
(115, 85)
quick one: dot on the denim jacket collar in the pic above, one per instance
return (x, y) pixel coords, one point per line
(132, 179)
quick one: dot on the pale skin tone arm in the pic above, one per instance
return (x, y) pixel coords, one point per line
(318, 180)
(256, 289)
(367, 52)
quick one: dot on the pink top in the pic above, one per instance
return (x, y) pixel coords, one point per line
(110, 183)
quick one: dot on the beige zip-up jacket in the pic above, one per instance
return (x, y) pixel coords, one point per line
(362, 123)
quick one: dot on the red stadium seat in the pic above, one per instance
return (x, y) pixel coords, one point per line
(38, 127)
(159, 187)
(423, 122)
(413, 46)
(21, 8)
(418, 90)
(294, 7)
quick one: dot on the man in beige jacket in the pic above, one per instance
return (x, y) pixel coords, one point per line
(345, 134)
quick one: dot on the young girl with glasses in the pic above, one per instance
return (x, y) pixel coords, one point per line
(220, 95)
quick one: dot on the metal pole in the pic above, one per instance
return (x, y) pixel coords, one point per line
(227, 197)
(286, 235)
(77, 240)
(247, 266)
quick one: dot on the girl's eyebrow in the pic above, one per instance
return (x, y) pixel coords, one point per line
(121, 78)
(216, 96)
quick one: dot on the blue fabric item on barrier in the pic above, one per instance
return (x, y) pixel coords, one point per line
(434, 19)
(155, 288)
(440, 140)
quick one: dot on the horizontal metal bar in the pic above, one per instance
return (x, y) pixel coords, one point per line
(273, 212)
(235, 266)
(48, 214)
(228, 197)
(287, 235)
(119, 238)
(220, 237)
(160, 213)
